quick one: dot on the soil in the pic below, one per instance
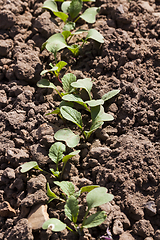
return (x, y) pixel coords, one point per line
(123, 156)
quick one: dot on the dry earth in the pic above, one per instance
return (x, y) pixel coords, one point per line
(123, 156)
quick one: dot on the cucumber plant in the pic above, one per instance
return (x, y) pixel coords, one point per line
(96, 196)
(56, 155)
(70, 97)
(69, 14)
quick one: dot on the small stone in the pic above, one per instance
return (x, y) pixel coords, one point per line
(6, 210)
(117, 227)
(145, 5)
(148, 238)
(126, 236)
(38, 216)
(3, 98)
(143, 228)
(9, 173)
(157, 235)
(150, 208)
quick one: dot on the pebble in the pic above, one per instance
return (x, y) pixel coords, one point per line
(38, 216)
(117, 227)
(150, 209)
(6, 210)
(157, 235)
(126, 236)
(143, 228)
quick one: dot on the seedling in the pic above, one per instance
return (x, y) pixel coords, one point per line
(96, 196)
(56, 155)
(69, 14)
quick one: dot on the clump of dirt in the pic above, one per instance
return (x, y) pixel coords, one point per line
(122, 156)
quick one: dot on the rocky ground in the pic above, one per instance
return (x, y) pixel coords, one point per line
(122, 156)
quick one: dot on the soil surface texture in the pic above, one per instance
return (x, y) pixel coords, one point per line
(122, 156)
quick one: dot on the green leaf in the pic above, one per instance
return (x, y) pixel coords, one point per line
(59, 66)
(90, 14)
(71, 208)
(66, 187)
(56, 224)
(94, 103)
(95, 219)
(88, 188)
(97, 197)
(61, 15)
(66, 34)
(88, 0)
(56, 152)
(95, 35)
(55, 43)
(56, 111)
(52, 6)
(75, 98)
(28, 166)
(110, 94)
(72, 115)
(98, 117)
(69, 26)
(67, 80)
(74, 48)
(45, 83)
(74, 8)
(68, 136)
(65, 6)
(70, 155)
(55, 173)
(85, 83)
(79, 31)
(51, 194)
(49, 70)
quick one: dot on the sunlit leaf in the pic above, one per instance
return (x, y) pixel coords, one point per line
(56, 151)
(79, 31)
(70, 155)
(66, 187)
(110, 94)
(51, 194)
(55, 43)
(55, 173)
(75, 98)
(90, 14)
(65, 5)
(94, 103)
(97, 197)
(72, 209)
(95, 219)
(95, 35)
(45, 83)
(55, 224)
(59, 66)
(72, 115)
(85, 83)
(49, 70)
(74, 8)
(68, 136)
(67, 80)
(66, 34)
(88, 188)
(74, 48)
(69, 26)
(29, 165)
(52, 6)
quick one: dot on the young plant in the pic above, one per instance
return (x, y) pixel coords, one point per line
(69, 14)
(56, 155)
(96, 196)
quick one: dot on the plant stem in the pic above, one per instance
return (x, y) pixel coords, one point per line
(70, 229)
(59, 79)
(84, 218)
(55, 56)
(76, 19)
